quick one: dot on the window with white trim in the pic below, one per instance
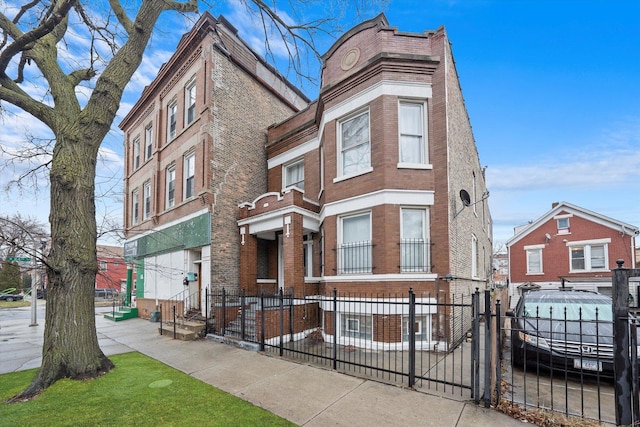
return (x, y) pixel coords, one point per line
(355, 244)
(413, 241)
(103, 265)
(420, 328)
(172, 120)
(136, 153)
(308, 256)
(355, 147)
(189, 175)
(356, 326)
(190, 103)
(134, 207)
(411, 126)
(171, 186)
(294, 175)
(147, 200)
(592, 257)
(563, 225)
(474, 256)
(148, 142)
(534, 261)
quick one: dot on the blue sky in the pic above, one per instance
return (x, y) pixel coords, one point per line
(552, 89)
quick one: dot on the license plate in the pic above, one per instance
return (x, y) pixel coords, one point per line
(587, 365)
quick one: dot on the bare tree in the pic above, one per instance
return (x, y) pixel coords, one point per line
(82, 93)
(20, 235)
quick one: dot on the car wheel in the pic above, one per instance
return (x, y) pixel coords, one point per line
(9, 299)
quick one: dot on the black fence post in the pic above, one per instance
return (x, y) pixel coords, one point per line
(160, 319)
(621, 362)
(281, 297)
(412, 338)
(487, 348)
(173, 309)
(262, 328)
(207, 307)
(291, 316)
(498, 332)
(334, 356)
(224, 312)
(242, 315)
(475, 348)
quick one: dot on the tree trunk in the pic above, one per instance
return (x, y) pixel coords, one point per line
(71, 347)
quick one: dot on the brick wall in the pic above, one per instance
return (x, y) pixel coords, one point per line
(241, 110)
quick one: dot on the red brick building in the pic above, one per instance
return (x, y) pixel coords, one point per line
(194, 149)
(112, 269)
(569, 246)
(376, 187)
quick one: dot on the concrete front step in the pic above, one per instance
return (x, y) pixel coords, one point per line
(184, 330)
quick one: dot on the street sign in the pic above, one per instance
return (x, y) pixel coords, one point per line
(18, 259)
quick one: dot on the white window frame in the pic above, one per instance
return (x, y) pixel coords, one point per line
(530, 250)
(341, 150)
(421, 330)
(188, 174)
(147, 200)
(285, 175)
(344, 246)
(103, 265)
(356, 326)
(170, 178)
(423, 161)
(190, 95)
(587, 247)
(148, 142)
(136, 153)
(474, 256)
(135, 207)
(406, 267)
(172, 119)
(308, 258)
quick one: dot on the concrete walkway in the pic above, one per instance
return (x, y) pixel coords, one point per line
(305, 395)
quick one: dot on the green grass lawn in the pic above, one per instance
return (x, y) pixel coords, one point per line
(14, 304)
(140, 391)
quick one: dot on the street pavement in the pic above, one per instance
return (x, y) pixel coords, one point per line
(303, 394)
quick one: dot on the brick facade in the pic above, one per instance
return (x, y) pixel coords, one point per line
(370, 70)
(586, 228)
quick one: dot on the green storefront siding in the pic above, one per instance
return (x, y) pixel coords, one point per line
(192, 233)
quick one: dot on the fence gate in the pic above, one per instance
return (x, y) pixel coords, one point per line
(609, 397)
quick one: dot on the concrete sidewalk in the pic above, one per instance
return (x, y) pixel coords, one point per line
(305, 395)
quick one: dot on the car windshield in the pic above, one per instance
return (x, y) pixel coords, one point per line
(588, 310)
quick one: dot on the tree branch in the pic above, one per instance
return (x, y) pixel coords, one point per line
(121, 15)
(23, 41)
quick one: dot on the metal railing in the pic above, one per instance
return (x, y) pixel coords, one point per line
(414, 256)
(390, 337)
(355, 258)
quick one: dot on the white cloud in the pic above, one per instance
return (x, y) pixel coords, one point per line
(602, 176)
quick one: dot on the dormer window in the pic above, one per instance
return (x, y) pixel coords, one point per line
(294, 175)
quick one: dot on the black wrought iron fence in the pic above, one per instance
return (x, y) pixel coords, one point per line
(414, 340)
(580, 361)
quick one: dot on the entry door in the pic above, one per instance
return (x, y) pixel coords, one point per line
(280, 264)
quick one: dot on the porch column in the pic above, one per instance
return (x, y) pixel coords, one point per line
(293, 253)
(248, 261)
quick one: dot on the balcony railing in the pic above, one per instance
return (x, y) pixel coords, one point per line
(414, 256)
(355, 258)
